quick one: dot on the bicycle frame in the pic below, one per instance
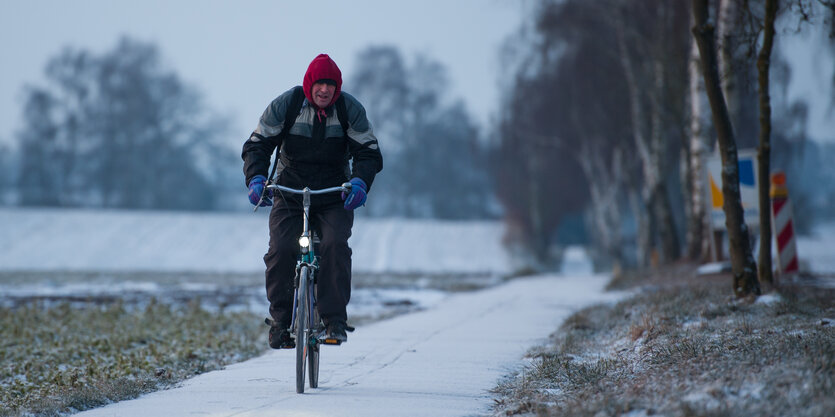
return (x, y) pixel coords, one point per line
(304, 284)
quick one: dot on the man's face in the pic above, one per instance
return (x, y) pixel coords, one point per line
(322, 94)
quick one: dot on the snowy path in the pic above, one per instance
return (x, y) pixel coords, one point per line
(440, 362)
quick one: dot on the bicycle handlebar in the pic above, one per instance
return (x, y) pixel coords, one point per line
(344, 187)
(306, 192)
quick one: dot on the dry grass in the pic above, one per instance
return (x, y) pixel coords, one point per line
(685, 348)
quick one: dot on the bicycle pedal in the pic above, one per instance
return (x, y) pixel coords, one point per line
(328, 341)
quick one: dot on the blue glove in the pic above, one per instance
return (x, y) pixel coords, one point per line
(256, 188)
(357, 195)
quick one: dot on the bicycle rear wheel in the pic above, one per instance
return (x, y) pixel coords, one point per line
(313, 354)
(302, 328)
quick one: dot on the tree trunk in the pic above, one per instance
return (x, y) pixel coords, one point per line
(698, 227)
(646, 85)
(661, 207)
(764, 152)
(537, 224)
(668, 235)
(742, 262)
(639, 133)
(643, 238)
(725, 22)
(605, 184)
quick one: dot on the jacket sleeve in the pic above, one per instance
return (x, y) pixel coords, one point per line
(362, 144)
(263, 141)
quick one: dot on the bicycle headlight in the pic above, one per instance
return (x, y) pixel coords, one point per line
(304, 241)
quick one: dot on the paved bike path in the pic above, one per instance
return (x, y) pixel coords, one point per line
(440, 362)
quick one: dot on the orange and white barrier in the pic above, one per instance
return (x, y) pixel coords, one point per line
(781, 220)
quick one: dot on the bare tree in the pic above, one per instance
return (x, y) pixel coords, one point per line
(5, 173)
(537, 175)
(118, 130)
(698, 227)
(742, 262)
(601, 127)
(609, 75)
(41, 153)
(436, 163)
(666, 116)
(652, 59)
(728, 15)
(764, 151)
(746, 27)
(606, 198)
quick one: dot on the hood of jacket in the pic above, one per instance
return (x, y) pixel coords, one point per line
(322, 68)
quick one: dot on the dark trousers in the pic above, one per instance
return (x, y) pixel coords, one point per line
(333, 224)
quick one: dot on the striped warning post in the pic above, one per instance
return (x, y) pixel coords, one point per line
(781, 219)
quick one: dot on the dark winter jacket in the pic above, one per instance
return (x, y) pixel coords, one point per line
(315, 153)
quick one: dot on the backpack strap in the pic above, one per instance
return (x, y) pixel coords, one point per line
(342, 114)
(290, 116)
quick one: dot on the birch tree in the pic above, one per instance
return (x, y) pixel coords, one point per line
(650, 55)
(617, 108)
(764, 150)
(743, 267)
(698, 227)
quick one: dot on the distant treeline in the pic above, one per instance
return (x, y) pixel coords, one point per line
(119, 130)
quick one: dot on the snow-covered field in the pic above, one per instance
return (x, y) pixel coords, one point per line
(171, 256)
(52, 253)
(100, 240)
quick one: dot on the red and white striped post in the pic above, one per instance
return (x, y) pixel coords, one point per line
(781, 220)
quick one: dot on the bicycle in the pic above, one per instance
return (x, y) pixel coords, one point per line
(306, 326)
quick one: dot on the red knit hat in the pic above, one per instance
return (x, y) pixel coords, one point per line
(322, 68)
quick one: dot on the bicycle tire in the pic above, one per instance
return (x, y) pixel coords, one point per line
(302, 329)
(313, 354)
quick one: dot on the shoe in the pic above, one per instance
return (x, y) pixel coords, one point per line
(279, 336)
(336, 332)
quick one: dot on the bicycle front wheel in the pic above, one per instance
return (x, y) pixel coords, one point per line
(302, 328)
(313, 355)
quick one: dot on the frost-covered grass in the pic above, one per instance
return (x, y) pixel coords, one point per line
(58, 358)
(685, 347)
(71, 341)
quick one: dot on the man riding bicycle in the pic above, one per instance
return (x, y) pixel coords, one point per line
(325, 142)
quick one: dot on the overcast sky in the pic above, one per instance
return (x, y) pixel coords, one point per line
(241, 54)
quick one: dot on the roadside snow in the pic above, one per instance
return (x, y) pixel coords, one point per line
(771, 298)
(817, 252)
(440, 362)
